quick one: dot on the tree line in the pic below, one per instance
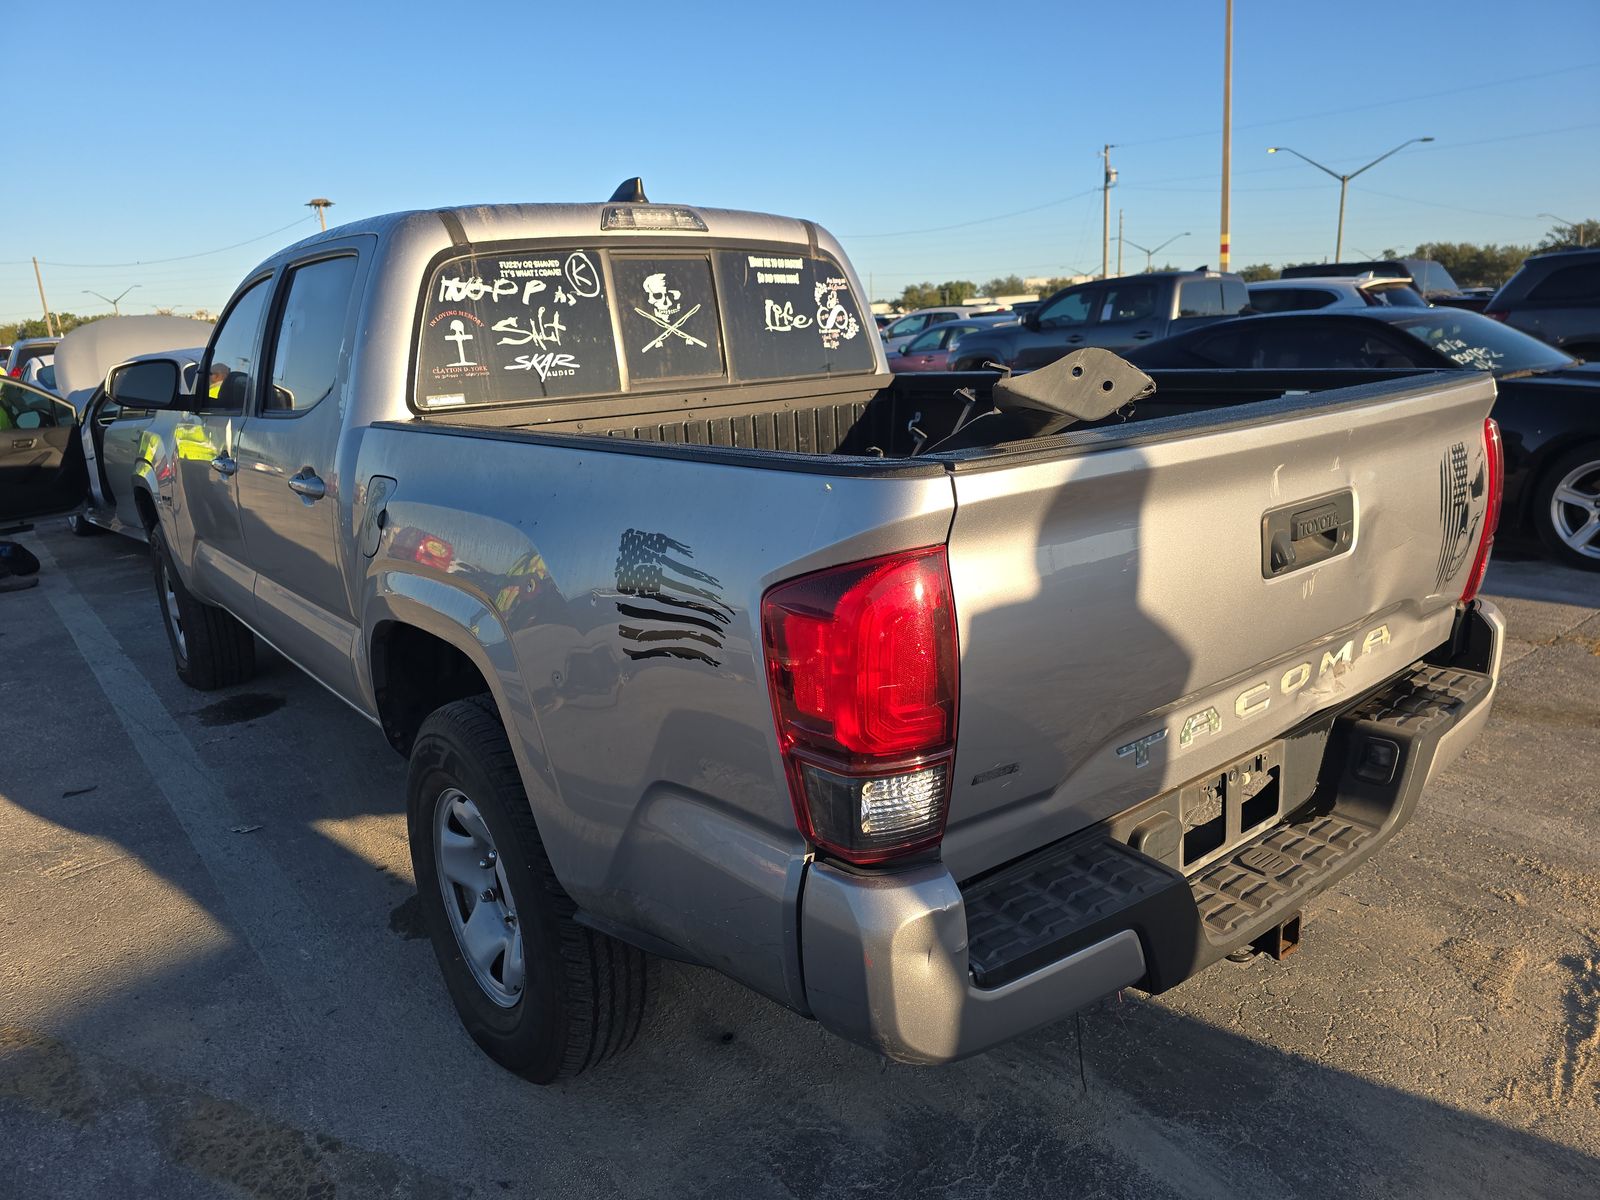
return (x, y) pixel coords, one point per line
(35, 327)
(1469, 264)
(1474, 265)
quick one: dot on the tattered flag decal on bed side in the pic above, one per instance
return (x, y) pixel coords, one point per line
(1458, 534)
(676, 610)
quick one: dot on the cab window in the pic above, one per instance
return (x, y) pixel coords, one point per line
(310, 342)
(231, 365)
(1070, 309)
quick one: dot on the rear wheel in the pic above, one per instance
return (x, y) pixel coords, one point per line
(210, 648)
(539, 993)
(1566, 508)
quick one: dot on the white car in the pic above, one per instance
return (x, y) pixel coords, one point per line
(88, 362)
(898, 332)
(40, 371)
(1334, 291)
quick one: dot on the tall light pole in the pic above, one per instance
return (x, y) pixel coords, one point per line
(1575, 226)
(1150, 254)
(1105, 211)
(1227, 130)
(1344, 180)
(322, 205)
(116, 304)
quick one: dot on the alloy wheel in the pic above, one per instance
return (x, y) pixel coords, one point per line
(1575, 509)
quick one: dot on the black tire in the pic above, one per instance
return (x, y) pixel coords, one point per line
(214, 649)
(1585, 462)
(82, 527)
(583, 995)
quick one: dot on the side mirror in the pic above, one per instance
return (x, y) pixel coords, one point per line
(153, 383)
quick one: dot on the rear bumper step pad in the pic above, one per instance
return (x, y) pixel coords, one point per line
(1077, 892)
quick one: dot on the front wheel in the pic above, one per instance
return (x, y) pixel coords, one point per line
(1566, 508)
(81, 526)
(210, 647)
(539, 993)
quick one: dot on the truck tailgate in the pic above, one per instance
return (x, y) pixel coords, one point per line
(1120, 635)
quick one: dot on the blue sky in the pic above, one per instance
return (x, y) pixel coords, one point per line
(149, 131)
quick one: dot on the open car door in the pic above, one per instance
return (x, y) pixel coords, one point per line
(41, 455)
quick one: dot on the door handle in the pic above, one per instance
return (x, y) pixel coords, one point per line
(1077, 337)
(1142, 335)
(308, 485)
(223, 465)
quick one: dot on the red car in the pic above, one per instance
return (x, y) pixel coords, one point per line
(930, 350)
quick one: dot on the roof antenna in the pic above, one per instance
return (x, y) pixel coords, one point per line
(630, 191)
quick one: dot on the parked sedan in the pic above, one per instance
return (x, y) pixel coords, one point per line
(930, 350)
(900, 332)
(1548, 406)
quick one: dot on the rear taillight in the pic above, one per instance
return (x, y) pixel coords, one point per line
(1494, 316)
(16, 372)
(1495, 469)
(861, 662)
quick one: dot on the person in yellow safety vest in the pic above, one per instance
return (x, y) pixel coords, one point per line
(219, 376)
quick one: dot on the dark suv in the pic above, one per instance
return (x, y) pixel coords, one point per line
(1115, 313)
(1555, 297)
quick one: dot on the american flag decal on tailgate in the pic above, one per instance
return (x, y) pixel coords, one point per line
(676, 610)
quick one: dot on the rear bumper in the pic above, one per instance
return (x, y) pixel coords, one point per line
(922, 970)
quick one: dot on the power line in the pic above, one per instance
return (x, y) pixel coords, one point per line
(1335, 112)
(976, 221)
(22, 262)
(1482, 212)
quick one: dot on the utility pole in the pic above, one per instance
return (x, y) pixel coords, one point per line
(322, 205)
(1105, 211)
(1344, 181)
(1227, 129)
(1577, 227)
(49, 321)
(1119, 243)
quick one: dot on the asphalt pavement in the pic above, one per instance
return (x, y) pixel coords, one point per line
(212, 980)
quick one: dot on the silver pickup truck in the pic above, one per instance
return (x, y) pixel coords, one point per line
(708, 638)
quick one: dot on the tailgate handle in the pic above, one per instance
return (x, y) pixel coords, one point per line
(1307, 532)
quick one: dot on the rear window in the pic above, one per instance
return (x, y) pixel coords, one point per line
(1577, 283)
(518, 326)
(1272, 300)
(1393, 295)
(1211, 297)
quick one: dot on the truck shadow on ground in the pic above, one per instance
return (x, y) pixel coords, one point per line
(307, 1046)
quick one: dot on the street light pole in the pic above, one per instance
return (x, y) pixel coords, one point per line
(116, 304)
(1344, 180)
(1575, 226)
(1149, 254)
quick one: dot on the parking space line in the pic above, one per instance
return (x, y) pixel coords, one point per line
(263, 903)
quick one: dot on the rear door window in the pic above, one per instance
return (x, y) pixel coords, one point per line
(523, 325)
(1200, 298)
(310, 348)
(792, 315)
